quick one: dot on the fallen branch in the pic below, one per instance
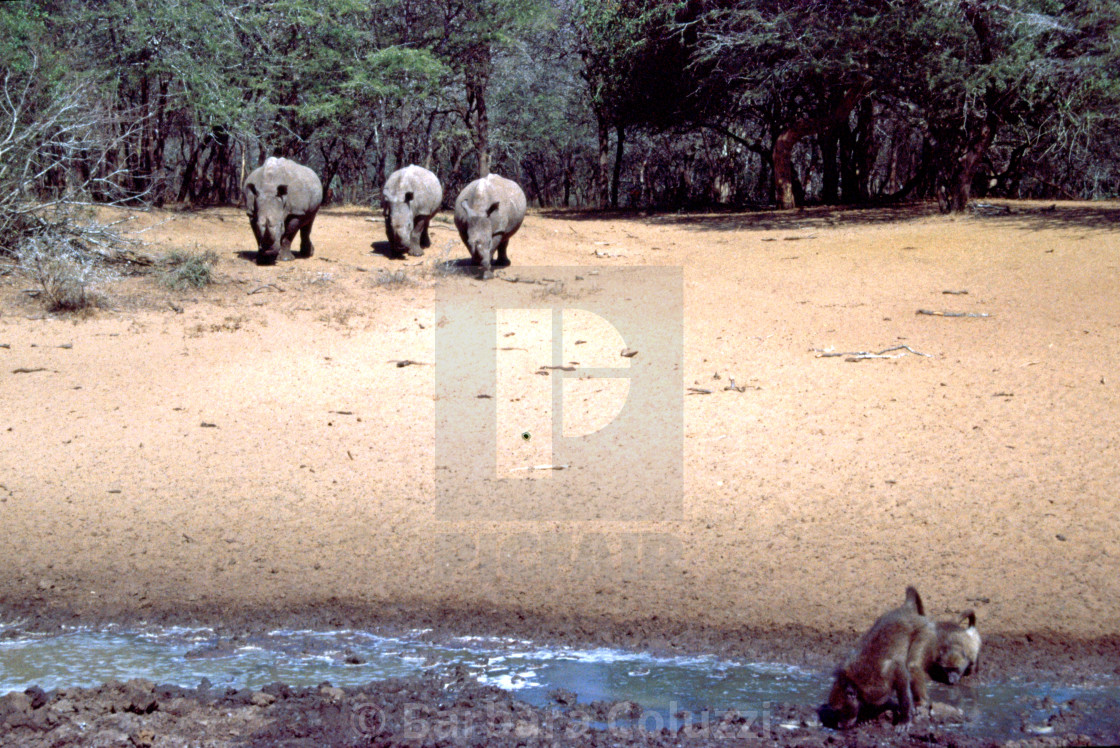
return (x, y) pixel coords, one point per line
(861, 355)
(736, 387)
(541, 467)
(988, 209)
(258, 289)
(698, 391)
(932, 313)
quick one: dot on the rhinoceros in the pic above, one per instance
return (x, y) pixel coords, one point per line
(281, 198)
(410, 198)
(487, 213)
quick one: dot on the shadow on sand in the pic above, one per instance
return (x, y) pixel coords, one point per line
(1030, 215)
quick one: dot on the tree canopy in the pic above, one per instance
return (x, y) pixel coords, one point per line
(630, 103)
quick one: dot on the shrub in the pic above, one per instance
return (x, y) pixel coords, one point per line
(188, 271)
(392, 278)
(63, 275)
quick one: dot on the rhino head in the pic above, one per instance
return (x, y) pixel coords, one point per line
(268, 212)
(400, 219)
(480, 233)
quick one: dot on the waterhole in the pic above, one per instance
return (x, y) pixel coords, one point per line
(662, 686)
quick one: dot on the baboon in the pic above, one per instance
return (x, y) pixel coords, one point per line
(958, 649)
(890, 659)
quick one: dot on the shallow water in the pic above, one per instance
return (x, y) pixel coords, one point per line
(662, 686)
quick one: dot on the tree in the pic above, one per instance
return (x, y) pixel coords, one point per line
(798, 70)
(632, 65)
(1029, 67)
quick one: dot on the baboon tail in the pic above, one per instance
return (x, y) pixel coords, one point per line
(914, 600)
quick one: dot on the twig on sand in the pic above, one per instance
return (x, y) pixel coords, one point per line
(258, 289)
(861, 355)
(735, 387)
(541, 467)
(401, 363)
(698, 391)
(932, 313)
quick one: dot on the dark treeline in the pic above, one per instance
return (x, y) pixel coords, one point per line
(624, 103)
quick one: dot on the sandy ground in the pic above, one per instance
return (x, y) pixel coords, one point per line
(251, 449)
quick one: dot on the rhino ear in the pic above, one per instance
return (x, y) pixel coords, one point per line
(281, 190)
(408, 197)
(467, 209)
(492, 209)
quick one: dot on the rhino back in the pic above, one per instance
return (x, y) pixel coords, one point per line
(480, 194)
(305, 191)
(427, 193)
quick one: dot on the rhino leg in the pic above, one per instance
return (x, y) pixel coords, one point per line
(487, 265)
(291, 228)
(503, 259)
(416, 241)
(306, 248)
(394, 240)
(425, 240)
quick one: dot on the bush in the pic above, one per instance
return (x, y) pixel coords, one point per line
(387, 278)
(188, 271)
(63, 275)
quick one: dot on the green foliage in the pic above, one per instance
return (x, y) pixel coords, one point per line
(22, 29)
(397, 73)
(194, 93)
(633, 59)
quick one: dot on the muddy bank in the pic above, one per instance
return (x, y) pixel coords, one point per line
(431, 711)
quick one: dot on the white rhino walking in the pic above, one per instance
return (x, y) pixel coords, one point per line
(487, 213)
(410, 197)
(281, 198)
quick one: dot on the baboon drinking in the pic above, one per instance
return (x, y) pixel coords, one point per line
(890, 660)
(958, 649)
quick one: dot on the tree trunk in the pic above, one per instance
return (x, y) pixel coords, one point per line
(865, 148)
(784, 191)
(617, 177)
(186, 186)
(960, 186)
(602, 184)
(478, 120)
(830, 167)
(959, 189)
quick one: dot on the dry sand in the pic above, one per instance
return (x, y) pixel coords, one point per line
(251, 450)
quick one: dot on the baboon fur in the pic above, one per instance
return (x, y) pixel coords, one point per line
(890, 660)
